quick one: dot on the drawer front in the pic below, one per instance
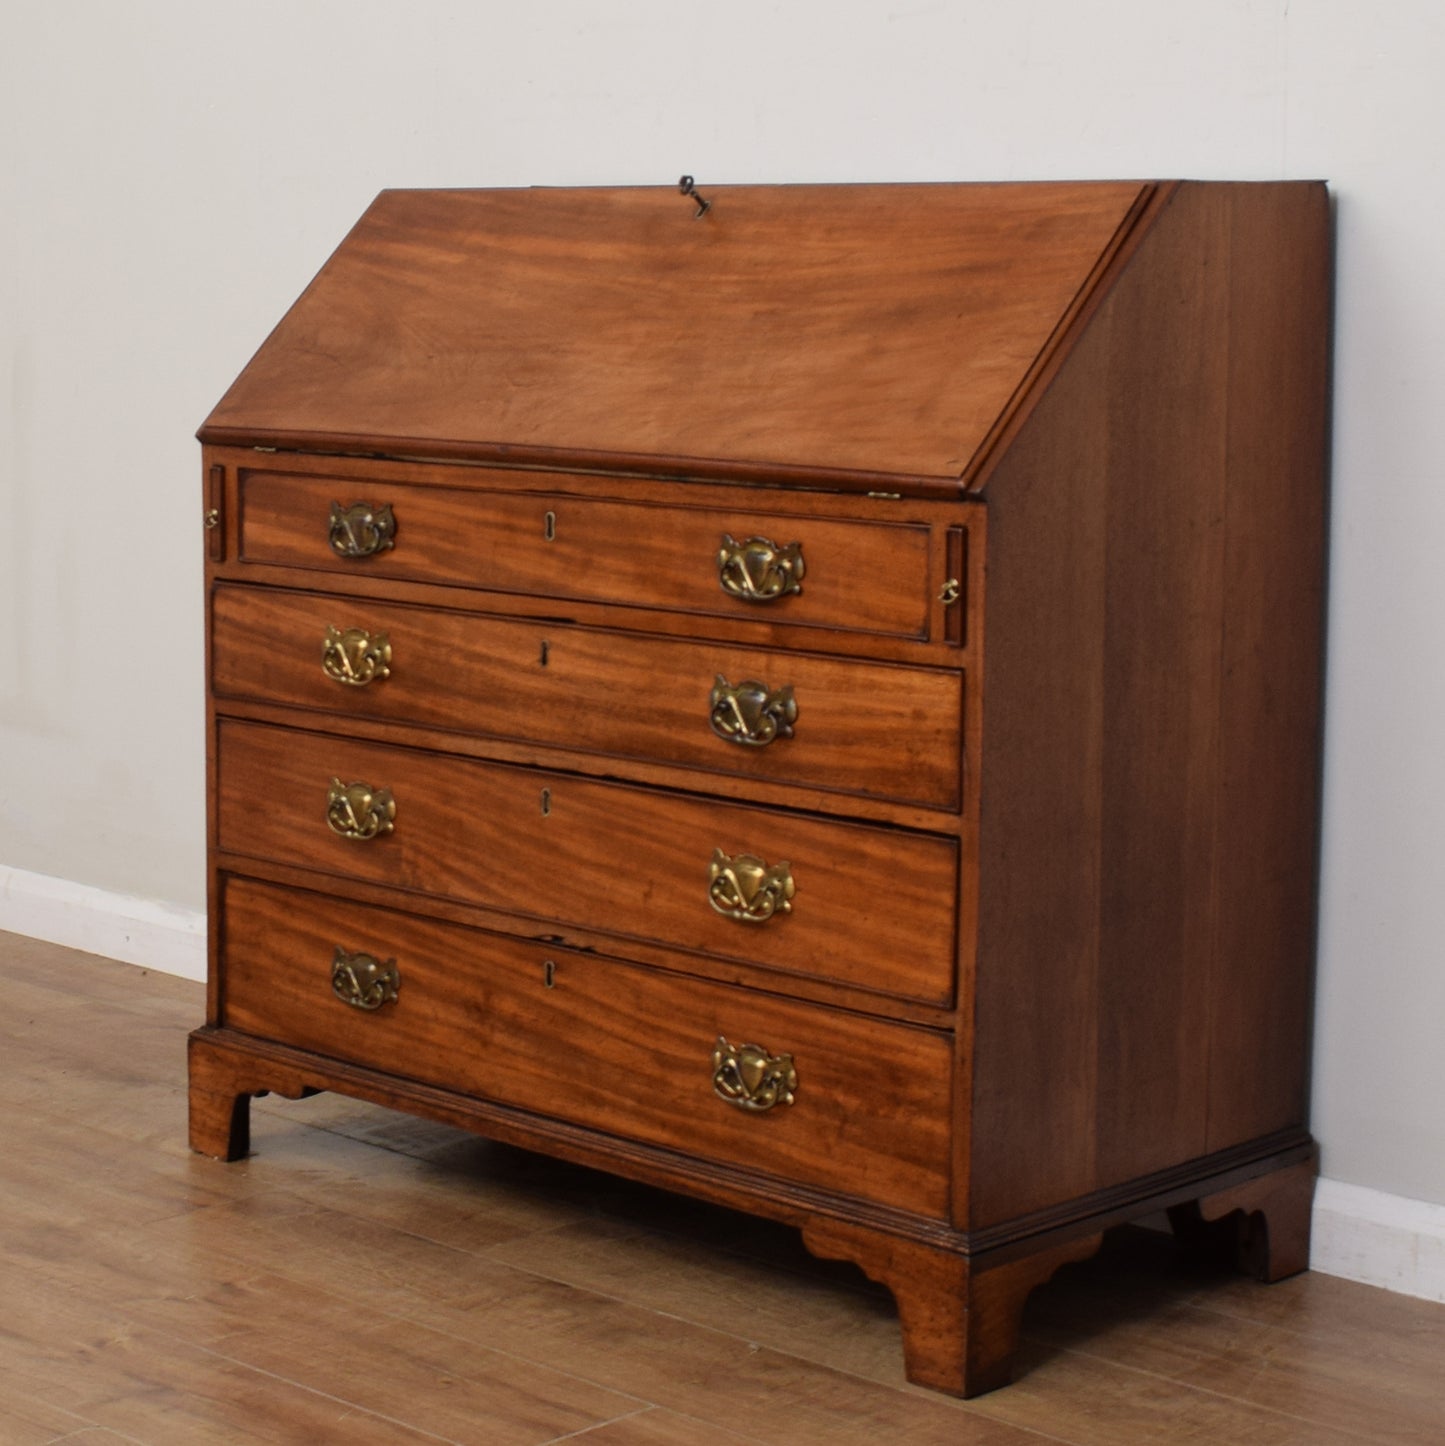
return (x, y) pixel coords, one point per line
(868, 907)
(610, 1046)
(836, 573)
(878, 729)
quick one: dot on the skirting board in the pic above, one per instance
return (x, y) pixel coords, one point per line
(135, 931)
(1359, 1234)
(1378, 1239)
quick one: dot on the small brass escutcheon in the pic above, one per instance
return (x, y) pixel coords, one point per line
(749, 889)
(355, 657)
(363, 981)
(747, 1076)
(359, 811)
(751, 713)
(361, 530)
(757, 570)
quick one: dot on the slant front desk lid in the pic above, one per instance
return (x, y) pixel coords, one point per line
(836, 333)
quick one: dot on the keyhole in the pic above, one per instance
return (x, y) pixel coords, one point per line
(546, 802)
(549, 974)
(549, 526)
(544, 654)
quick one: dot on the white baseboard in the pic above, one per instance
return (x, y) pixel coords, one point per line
(1379, 1239)
(135, 931)
(1357, 1233)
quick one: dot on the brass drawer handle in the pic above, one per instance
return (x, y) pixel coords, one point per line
(361, 530)
(747, 1076)
(363, 981)
(359, 811)
(751, 713)
(749, 889)
(355, 657)
(757, 570)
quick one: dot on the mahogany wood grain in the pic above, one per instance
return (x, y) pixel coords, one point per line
(599, 1043)
(1163, 499)
(1062, 914)
(760, 970)
(960, 1316)
(1119, 710)
(1273, 658)
(768, 626)
(858, 576)
(854, 329)
(1261, 1226)
(872, 907)
(872, 729)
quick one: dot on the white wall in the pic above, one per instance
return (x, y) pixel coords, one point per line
(176, 170)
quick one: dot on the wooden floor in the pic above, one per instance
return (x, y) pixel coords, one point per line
(365, 1278)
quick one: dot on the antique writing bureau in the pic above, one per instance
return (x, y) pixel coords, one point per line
(807, 696)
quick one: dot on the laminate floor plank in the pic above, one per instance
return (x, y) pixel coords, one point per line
(93, 1363)
(707, 1372)
(368, 1278)
(1325, 1351)
(771, 1394)
(834, 1316)
(656, 1427)
(97, 1436)
(24, 1422)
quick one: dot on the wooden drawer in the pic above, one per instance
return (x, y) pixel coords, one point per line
(612, 1046)
(870, 577)
(878, 729)
(871, 907)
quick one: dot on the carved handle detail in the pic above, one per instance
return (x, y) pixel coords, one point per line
(751, 713)
(758, 570)
(359, 811)
(748, 888)
(747, 1076)
(355, 657)
(363, 981)
(361, 530)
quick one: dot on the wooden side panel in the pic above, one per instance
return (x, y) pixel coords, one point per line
(1165, 481)
(1041, 805)
(1266, 858)
(1136, 544)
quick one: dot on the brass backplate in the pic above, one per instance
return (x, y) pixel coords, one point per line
(364, 981)
(757, 570)
(361, 529)
(359, 811)
(749, 889)
(355, 657)
(751, 713)
(748, 1076)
